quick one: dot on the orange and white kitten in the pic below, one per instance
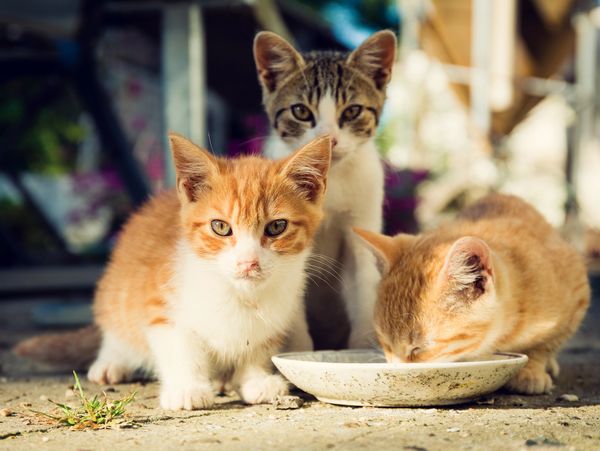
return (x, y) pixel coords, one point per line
(498, 278)
(206, 282)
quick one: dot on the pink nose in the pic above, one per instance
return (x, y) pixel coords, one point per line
(248, 265)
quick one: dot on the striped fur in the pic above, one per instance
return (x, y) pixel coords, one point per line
(311, 76)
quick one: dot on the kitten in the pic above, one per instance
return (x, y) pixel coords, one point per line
(498, 278)
(306, 95)
(206, 283)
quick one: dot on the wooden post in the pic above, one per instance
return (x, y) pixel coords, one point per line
(183, 76)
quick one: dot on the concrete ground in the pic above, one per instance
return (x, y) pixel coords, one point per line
(500, 421)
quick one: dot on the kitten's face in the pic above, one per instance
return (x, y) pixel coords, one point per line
(436, 302)
(252, 217)
(320, 93)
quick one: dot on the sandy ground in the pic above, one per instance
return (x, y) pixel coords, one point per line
(500, 421)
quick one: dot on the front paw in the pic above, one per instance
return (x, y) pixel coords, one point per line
(191, 397)
(259, 390)
(531, 381)
(103, 373)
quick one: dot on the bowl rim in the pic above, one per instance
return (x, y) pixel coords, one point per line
(513, 358)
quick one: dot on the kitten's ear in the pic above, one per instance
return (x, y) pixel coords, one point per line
(468, 266)
(375, 57)
(308, 167)
(386, 249)
(194, 167)
(274, 58)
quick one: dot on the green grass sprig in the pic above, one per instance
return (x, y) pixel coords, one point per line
(97, 412)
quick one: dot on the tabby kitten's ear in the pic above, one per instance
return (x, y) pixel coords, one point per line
(375, 57)
(275, 58)
(308, 167)
(468, 267)
(386, 249)
(194, 167)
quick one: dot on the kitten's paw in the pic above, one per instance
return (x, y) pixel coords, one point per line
(103, 373)
(259, 390)
(531, 382)
(192, 397)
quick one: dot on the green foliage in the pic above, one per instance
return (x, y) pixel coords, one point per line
(97, 412)
(42, 126)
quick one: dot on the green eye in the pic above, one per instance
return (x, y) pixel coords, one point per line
(351, 113)
(221, 228)
(301, 112)
(276, 227)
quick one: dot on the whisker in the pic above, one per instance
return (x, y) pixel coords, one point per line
(311, 277)
(328, 271)
(212, 150)
(331, 262)
(256, 138)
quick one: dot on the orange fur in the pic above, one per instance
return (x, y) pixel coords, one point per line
(246, 193)
(499, 277)
(136, 291)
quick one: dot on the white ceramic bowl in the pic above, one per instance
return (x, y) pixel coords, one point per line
(363, 378)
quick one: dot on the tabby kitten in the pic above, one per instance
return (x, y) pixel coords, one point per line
(307, 95)
(499, 278)
(206, 283)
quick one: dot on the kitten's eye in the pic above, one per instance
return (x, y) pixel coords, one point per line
(221, 228)
(351, 113)
(276, 227)
(301, 112)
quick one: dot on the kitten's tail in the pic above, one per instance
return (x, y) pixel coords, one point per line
(73, 350)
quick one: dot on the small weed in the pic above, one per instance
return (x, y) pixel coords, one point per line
(97, 412)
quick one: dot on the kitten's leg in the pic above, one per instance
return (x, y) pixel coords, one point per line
(183, 369)
(553, 367)
(361, 277)
(299, 338)
(116, 361)
(254, 379)
(533, 378)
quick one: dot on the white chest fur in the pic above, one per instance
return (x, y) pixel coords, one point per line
(233, 320)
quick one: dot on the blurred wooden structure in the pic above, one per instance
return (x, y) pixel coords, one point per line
(544, 39)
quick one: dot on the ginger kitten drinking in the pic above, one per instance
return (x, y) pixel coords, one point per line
(341, 94)
(207, 283)
(498, 278)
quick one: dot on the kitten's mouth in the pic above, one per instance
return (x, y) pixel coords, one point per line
(252, 276)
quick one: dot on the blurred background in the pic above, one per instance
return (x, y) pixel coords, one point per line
(487, 95)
